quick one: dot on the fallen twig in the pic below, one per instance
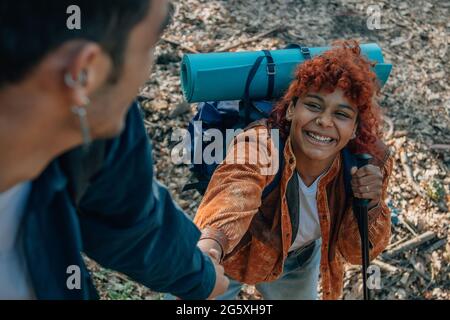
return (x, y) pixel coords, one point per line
(182, 46)
(390, 131)
(400, 133)
(406, 224)
(410, 244)
(444, 147)
(409, 175)
(436, 245)
(259, 36)
(180, 109)
(385, 266)
(421, 273)
(392, 245)
(148, 123)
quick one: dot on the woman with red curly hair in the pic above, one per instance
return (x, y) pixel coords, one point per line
(305, 226)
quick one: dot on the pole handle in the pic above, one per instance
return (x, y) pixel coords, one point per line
(362, 159)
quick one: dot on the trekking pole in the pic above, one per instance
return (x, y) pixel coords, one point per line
(360, 209)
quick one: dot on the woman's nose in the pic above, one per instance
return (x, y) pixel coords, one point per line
(324, 121)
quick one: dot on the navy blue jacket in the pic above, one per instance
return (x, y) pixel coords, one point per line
(125, 221)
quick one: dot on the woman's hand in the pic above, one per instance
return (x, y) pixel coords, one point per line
(367, 183)
(213, 249)
(206, 245)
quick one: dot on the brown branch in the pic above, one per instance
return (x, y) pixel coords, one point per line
(257, 37)
(385, 266)
(406, 224)
(393, 245)
(401, 133)
(182, 46)
(444, 147)
(390, 123)
(409, 176)
(436, 245)
(419, 272)
(410, 244)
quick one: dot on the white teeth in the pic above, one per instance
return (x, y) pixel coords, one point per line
(319, 138)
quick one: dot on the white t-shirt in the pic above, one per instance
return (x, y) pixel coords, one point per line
(309, 224)
(15, 281)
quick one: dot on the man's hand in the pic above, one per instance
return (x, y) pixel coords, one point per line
(222, 281)
(367, 183)
(207, 244)
(213, 249)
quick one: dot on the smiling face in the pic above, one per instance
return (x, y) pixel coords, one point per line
(321, 124)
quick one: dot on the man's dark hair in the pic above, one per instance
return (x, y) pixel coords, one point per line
(30, 29)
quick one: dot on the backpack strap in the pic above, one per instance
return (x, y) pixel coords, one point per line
(270, 74)
(202, 185)
(251, 75)
(349, 161)
(303, 49)
(276, 181)
(246, 98)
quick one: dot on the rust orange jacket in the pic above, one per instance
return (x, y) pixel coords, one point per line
(255, 234)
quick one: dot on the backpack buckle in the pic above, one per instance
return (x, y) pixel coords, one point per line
(305, 52)
(271, 69)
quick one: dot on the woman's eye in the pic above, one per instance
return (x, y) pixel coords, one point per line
(313, 106)
(343, 115)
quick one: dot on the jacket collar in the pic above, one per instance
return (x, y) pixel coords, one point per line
(47, 184)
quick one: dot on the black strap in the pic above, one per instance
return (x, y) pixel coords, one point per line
(270, 74)
(303, 49)
(349, 161)
(250, 77)
(276, 181)
(202, 185)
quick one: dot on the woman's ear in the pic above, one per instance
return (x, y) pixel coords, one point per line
(290, 111)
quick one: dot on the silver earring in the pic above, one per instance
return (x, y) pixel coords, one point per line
(81, 112)
(70, 82)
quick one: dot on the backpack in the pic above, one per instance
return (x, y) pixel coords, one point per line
(222, 116)
(237, 114)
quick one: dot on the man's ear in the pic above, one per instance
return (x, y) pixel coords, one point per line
(290, 111)
(88, 66)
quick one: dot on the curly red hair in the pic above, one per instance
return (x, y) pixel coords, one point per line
(342, 67)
